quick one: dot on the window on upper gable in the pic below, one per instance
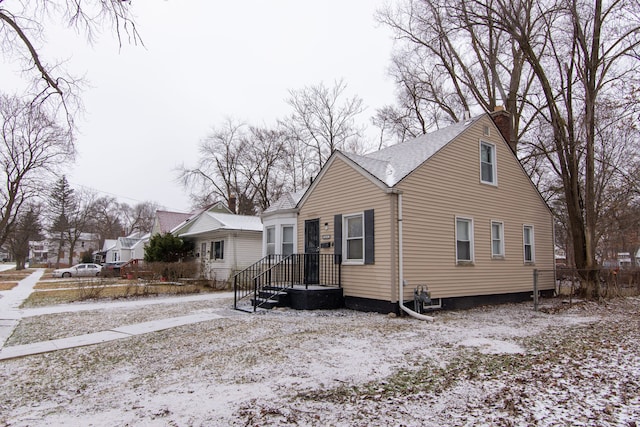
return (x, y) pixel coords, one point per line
(488, 163)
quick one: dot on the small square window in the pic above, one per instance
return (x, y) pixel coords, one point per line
(217, 250)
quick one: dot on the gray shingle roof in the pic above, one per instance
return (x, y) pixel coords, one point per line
(169, 220)
(286, 201)
(390, 165)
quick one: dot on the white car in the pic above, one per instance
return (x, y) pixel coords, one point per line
(78, 270)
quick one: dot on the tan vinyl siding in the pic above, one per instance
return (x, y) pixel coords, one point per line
(343, 190)
(448, 185)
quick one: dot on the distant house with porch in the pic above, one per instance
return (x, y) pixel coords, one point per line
(452, 211)
(224, 242)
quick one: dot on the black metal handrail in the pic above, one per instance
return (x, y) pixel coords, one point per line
(274, 274)
(244, 281)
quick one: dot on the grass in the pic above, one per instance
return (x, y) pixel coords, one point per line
(69, 291)
(9, 278)
(14, 275)
(7, 286)
(75, 283)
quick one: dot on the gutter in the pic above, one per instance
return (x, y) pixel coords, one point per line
(401, 269)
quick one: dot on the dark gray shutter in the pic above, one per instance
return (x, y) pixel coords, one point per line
(337, 235)
(369, 243)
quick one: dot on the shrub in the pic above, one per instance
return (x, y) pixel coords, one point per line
(167, 248)
(173, 270)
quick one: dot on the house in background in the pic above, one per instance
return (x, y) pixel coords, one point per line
(129, 248)
(107, 254)
(452, 211)
(46, 251)
(224, 242)
(167, 221)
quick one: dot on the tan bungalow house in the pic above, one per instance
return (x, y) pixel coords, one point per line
(452, 211)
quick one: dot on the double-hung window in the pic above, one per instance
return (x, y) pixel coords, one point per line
(271, 240)
(217, 250)
(497, 239)
(488, 163)
(354, 238)
(464, 240)
(529, 248)
(287, 240)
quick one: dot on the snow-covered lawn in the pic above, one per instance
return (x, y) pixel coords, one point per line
(504, 365)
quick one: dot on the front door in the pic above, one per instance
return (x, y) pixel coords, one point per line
(312, 251)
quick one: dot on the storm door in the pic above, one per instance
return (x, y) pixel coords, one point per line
(312, 251)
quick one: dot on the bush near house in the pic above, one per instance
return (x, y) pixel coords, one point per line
(167, 248)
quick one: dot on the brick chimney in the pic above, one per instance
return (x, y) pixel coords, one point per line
(232, 203)
(504, 122)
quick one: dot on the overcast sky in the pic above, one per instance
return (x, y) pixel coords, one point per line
(149, 107)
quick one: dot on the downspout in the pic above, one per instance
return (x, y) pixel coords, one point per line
(401, 269)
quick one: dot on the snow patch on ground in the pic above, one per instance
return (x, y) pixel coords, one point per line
(503, 365)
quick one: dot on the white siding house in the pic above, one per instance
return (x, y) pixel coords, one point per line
(224, 243)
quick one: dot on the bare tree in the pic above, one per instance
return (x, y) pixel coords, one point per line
(32, 147)
(447, 63)
(564, 68)
(238, 161)
(139, 218)
(107, 219)
(265, 149)
(27, 228)
(580, 52)
(80, 221)
(323, 119)
(23, 34)
(217, 174)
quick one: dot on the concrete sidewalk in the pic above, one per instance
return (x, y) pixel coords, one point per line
(11, 314)
(10, 301)
(104, 336)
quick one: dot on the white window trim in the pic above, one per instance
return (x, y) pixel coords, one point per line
(533, 244)
(266, 240)
(501, 254)
(471, 243)
(293, 236)
(212, 255)
(345, 232)
(494, 169)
